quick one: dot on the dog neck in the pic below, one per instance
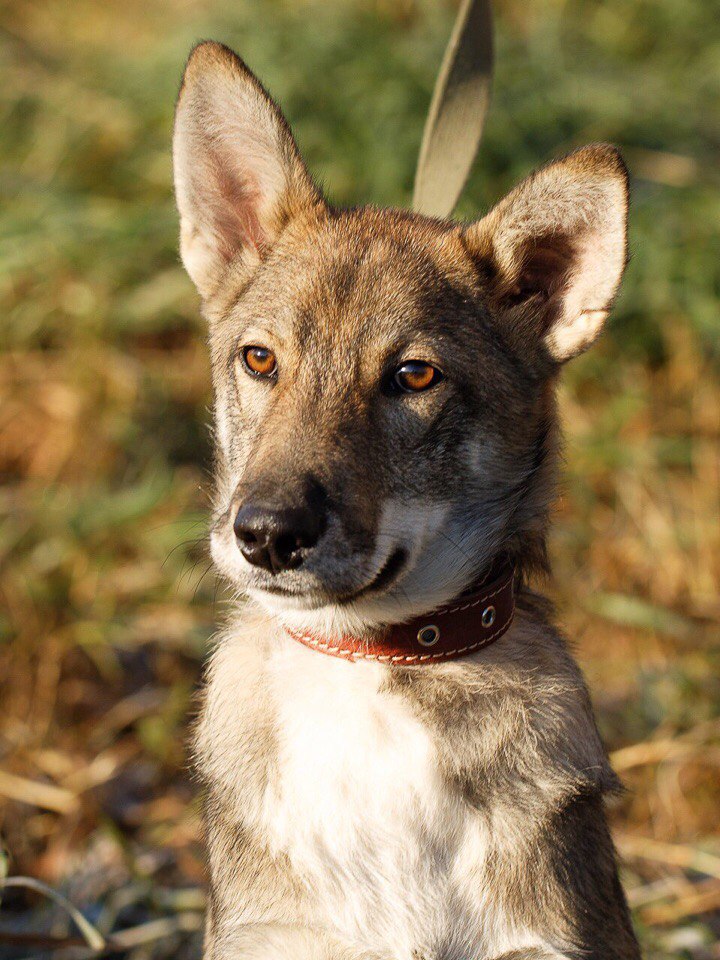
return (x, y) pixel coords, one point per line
(458, 629)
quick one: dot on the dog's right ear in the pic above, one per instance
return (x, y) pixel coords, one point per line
(239, 178)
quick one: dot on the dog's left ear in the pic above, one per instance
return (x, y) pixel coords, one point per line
(553, 251)
(239, 177)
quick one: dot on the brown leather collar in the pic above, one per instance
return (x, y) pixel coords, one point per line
(456, 630)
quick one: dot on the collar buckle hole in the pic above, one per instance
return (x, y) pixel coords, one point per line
(428, 636)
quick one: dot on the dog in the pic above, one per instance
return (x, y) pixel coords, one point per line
(387, 440)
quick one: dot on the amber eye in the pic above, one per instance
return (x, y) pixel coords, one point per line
(414, 376)
(259, 361)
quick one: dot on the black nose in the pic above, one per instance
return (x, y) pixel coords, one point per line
(277, 539)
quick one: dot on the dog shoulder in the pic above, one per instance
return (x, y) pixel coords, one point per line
(234, 741)
(515, 724)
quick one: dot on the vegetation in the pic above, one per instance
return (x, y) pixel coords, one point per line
(107, 602)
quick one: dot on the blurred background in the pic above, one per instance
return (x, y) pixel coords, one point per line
(107, 602)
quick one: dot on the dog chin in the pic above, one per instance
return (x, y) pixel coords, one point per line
(279, 602)
(318, 612)
(364, 616)
(324, 619)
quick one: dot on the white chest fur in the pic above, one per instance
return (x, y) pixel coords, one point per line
(390, 854)
(359, 804)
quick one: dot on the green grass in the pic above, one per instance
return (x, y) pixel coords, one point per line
(104, 439)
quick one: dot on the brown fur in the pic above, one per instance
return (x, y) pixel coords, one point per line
(448, 479)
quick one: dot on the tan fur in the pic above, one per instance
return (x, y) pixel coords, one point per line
(357, 811)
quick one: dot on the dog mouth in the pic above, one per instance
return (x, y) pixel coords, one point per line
(387, 574)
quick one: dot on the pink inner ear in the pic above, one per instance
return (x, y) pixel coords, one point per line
(546, 268)
(235, 203)
(545, 272)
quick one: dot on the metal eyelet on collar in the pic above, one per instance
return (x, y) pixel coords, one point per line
(488, 617)
(428, 636)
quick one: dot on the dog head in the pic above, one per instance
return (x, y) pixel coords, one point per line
(384, 382)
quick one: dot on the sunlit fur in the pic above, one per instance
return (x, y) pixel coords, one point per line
(356, 811)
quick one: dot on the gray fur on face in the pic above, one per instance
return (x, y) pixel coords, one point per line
(350, 302)
(356, 811)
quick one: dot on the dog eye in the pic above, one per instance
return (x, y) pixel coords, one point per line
(259, 361)
(414, 376)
